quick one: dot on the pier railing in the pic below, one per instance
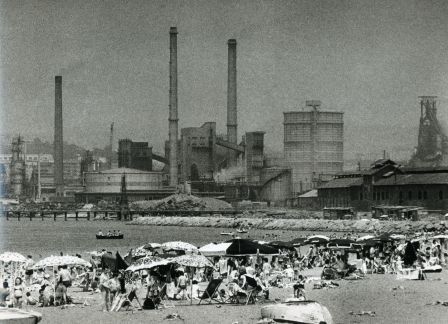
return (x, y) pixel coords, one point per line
(106, 214)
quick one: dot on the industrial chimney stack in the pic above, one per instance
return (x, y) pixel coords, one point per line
(58, 139)
(231, 99)
(173, 119)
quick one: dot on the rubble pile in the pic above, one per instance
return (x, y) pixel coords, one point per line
(180, 202)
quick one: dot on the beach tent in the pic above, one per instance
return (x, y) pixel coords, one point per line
(248, 247)
(214, 249)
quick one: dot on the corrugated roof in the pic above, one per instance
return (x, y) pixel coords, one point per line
(309, 194)
(121, 170)
(342, 183)
(414, 179)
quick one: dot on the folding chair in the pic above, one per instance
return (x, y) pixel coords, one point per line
(164, 296)
(252, 290)
(210, 292)
(126, 299)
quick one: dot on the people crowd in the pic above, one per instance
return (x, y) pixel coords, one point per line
(249, 277)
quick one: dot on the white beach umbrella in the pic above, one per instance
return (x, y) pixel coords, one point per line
(192, 260)
(12, 257)
(365, 238)
(178, 246)
(55, 261)
(214, 249)
(148, 265)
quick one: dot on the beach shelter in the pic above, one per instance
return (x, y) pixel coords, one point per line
(214, 249)
(248, 247)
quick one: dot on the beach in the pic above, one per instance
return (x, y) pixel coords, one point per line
(374, 293)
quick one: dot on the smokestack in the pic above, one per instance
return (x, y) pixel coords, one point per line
(58, 139)
(173, 120)
(231, 98)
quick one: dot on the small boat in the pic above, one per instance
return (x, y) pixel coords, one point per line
(297, 311)
(226, 233)
(109, 237)
(241, 230)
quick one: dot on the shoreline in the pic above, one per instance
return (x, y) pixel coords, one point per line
(315, 225)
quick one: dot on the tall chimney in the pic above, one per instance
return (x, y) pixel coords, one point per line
(173, 120)
(58, 140)
(231, 99)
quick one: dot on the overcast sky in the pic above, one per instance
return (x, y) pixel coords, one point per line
(370, 59)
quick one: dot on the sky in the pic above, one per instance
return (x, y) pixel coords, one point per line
(370, 59)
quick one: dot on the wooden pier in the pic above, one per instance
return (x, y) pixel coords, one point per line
(107, 214)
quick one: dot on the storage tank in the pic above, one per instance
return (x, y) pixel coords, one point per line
(109, 181)
(313, 146)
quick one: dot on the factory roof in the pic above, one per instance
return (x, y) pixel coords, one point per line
(342, 183)
(414, 179)
(121, 171)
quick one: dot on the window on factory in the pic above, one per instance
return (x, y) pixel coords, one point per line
(425, 195)
(440, 195)
(419, 195)
(409, 195)
(400, 196)
(383, 195)
(387, 194)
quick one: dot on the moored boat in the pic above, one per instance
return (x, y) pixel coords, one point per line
(109, 237)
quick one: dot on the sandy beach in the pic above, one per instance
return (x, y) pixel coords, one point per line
(374, 293)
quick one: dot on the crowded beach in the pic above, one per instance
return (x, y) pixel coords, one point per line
(170, 276)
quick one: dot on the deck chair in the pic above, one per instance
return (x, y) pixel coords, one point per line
(126, 300)
(235, 293)
(164, 296)
(251, 290)
(211, 291)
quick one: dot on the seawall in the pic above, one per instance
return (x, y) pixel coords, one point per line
(366, 226)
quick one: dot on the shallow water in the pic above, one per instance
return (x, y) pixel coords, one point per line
(43, 238)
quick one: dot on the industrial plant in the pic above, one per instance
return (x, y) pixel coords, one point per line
(199, 160)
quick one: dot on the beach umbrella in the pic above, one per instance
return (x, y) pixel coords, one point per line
(55, 261)
(214, 249)
(365, 238)
(317, 239)
(281, 245)
(146, 260)
(12, 257)
(441, 236)
(149, 265)
(248, 247)
(340, 243)
(298, 241)
(192, 260)
(150, 246)
(178, 246)
(398, 237)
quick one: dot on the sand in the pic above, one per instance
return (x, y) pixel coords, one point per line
(374, 293)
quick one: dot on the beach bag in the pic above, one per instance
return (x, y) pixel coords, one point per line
(148, 304)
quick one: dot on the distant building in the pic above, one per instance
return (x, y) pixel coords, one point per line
(385, 183)
(134, 155)
(313, 145)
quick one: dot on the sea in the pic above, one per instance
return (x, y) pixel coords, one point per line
(42, 238)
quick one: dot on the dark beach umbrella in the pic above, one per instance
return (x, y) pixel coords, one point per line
(385, 237)
(247, 247)
(340, 242)
(281, 245)
(370, 243)
(298, 241)
(113, 262)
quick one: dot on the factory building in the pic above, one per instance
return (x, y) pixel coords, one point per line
(197, 152)
(107, 185)
(313, 145)
(134, 155)
(432, 148)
